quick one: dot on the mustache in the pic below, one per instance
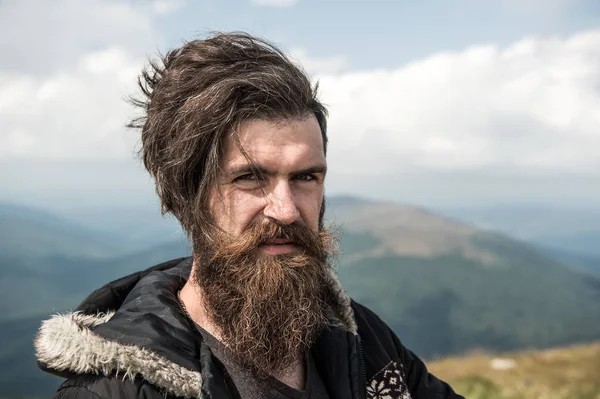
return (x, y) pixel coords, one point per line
(316, 244)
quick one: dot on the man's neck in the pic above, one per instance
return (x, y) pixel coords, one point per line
(192, 297)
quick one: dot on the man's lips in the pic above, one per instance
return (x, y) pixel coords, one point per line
(278, 246)
(278, 241)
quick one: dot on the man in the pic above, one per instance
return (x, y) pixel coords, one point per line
(235, 138)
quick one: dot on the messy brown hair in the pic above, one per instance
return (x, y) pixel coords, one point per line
(194, 96)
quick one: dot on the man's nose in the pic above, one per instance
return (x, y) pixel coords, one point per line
(281, 204)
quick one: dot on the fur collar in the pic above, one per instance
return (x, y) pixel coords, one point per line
(67, 342)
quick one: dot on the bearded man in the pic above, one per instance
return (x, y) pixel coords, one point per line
(235, 138)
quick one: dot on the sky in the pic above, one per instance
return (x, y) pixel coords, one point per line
(434, 103)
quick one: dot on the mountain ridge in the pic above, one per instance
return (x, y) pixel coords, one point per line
(422, 273)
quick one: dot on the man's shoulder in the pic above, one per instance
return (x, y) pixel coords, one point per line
(89, 386)
(391, 367)
(377, 337)
(368, 321)
(112, 294)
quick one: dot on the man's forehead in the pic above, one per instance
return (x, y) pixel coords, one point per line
(279, 141)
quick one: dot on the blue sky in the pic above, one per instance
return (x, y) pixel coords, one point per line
(464, 102)
(386, 33)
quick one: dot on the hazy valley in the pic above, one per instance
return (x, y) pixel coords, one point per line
(445, 287)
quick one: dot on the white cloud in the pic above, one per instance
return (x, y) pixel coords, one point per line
(275, 3)
(44, 37)
(167, 6)
(63, 85)
(76, 114)
(313, 65)
(532, 106)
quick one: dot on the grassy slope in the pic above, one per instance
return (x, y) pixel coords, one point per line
(448, 304)
(571, 372)
(446, 287)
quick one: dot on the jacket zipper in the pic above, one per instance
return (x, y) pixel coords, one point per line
(363, 368)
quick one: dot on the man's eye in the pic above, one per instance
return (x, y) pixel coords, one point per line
(246, 177)
(249, 180)
(305, 177)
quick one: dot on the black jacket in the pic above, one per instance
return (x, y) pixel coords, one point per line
(130, 339)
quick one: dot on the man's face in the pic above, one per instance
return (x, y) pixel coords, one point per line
(289, 188)
(265, 284)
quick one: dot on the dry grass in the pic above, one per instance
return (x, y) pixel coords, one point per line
(565, 373)
(409, 231)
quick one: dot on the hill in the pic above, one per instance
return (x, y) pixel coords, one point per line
(445, 287)
(58, 284)
(36, 234)
(406, 230)
(565, 229)
(581, 260)
(41, 286)
(563, 373)
(20, 375)
(531, 221)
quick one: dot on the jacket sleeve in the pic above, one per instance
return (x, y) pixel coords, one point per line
(107, 387)
(75, 392)
(421, 383)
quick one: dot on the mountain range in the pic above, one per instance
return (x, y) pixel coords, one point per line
(444, 286)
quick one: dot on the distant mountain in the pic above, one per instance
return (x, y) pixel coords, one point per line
(345, 200)
(444, 286)
(579, 260)
(14, 211)
(138, 227)
(35, 233)
(407, 230)
(565, 228)
(20, 376)
(447, 287)
(46, 285)
(49, 263)
(585, 243)
(529, 221)
(31, 290)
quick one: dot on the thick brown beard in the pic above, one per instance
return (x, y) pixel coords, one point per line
(268, 309)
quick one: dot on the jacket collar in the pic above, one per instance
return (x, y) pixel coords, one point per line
(145, 335)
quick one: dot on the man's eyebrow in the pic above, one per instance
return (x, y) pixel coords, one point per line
(248, 168)
(313, 169)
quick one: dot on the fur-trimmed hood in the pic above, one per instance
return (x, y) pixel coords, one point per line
(134, 327)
